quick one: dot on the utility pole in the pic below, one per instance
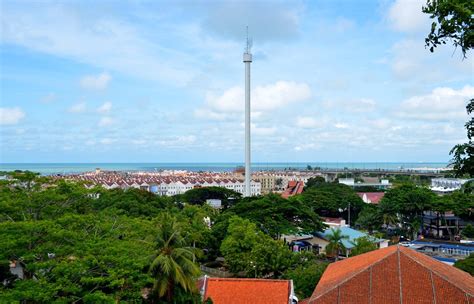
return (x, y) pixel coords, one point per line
(349, 214)
(247, 60)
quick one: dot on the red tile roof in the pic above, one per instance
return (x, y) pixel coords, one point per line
(246, 291)
(393, 275)
(294, 187)
(334, 220)
(373, 197)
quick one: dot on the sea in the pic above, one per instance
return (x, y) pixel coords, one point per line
(72, 168)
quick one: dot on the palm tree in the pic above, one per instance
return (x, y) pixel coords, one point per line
(389, 219)
(172, 263)
(335, 245)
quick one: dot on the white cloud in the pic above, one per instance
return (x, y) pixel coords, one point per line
(343, 25)
(95, 82)
(107, 141)
(264, 98)
(139, 142)
(442, 104)
(410, 61)
(108, 43)
(78, 108)
(11, 116)
(255, 129)
(407, 16)
(209, 114)
(341, 125)
(360, 105)
(228, 18)
(306, 146)
(307, 122)
(177, 141)
(48, 98)
(105, 108)
(105, 121)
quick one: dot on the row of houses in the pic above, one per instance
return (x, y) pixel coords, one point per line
(164, 185)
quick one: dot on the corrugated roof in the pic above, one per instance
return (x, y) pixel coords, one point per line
(393, 275)
(240, 291)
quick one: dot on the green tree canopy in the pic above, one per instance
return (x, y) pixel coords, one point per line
(131, 202)
(331, 199)
(77, 257)
(248, 249)
(314, 181)
(198, 196)
(463, 154)
(407, 203)
(305, 278)
(276, 215)
(452, 22)
(468, 231)
(467, 264)
(362, 245)
(370, 218)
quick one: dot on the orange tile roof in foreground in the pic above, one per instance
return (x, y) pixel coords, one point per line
(393, 275)
(246, 291)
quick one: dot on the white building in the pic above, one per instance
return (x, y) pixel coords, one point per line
(169, 188)
(447, 185)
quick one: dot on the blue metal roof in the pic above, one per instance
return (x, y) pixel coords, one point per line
(444, 245)
(352, 235)
(442, 259)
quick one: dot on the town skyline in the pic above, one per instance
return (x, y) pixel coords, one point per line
(141, 82)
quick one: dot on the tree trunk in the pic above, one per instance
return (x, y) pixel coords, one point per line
(170, 291)
(437, 224)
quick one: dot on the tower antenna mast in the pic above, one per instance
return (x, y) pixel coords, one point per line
(247, 59)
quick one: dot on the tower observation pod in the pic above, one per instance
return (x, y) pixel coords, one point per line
(247, 60)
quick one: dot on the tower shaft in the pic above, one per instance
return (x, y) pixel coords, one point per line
(248, 174)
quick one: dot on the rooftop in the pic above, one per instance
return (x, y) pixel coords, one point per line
(393, 275)
(236, 291)
(373, 197)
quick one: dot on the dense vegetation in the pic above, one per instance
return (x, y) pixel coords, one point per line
(80, 244)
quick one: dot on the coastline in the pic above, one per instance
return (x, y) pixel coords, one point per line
(70, 168)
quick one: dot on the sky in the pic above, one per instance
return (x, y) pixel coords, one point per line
(162, 81)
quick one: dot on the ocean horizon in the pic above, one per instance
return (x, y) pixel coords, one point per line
(71, 168)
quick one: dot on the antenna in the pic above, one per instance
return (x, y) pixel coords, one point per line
(249, 42)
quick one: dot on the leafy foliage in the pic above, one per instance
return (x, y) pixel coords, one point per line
(173, 261)
(132, 202)
(276, 215)
(335, 245)
(362, 245)
(314, 181)
(463, 154)
(198, 196)
(453, 22)
(248, 249)
(331, 199)
(407, 202)
(370, 218)
(468, 232)
(305, 277)
(99, 254)
(467, 264)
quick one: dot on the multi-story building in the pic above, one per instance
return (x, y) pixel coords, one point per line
(446, 185)
(268, 182)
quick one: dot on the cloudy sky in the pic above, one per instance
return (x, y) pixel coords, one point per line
(147, 81)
